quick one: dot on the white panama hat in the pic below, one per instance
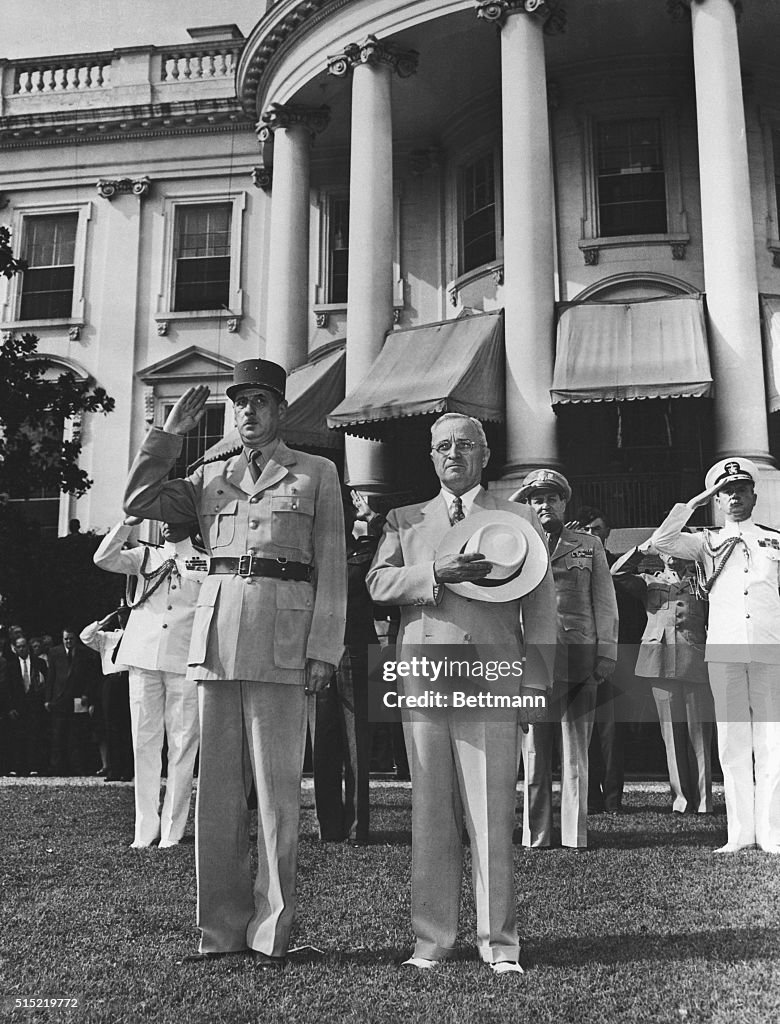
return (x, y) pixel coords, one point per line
(508, 540)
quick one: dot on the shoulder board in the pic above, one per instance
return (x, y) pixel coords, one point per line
(769, 529)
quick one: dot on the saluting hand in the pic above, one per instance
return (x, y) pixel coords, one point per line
(188, 411)
(704, 497)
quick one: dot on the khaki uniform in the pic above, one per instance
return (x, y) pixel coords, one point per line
(251, 638)
(587, 630)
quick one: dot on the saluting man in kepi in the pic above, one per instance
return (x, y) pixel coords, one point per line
(739, 569)
(269, 629)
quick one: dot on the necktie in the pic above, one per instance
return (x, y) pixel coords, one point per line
(26, 675)
(256, 463)
(457, 514)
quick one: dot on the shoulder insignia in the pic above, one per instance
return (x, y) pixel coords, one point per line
(769, 529)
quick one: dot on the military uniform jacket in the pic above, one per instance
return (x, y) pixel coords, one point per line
(676, 632)
(587, 607)
(158, 632)
(402, 574)
(744, 622)
(255, 628)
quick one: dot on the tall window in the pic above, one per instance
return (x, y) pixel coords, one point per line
(338, 250)
(202, 257)
(479, 213)
(210, 430)
(631, 179)
(49, 248)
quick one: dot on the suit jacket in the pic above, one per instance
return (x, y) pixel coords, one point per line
(587, 608)
(402, 574)
(255, 628)
(676, 632)
(16, 683)
(159, 630)
(67, 679)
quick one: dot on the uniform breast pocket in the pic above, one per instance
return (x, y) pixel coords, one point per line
(220, 524)
(572, 589)
(294, 608)
(292, 520)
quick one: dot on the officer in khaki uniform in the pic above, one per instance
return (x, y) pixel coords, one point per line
(586, 653)
(672, 655)
(268, 629)
(739, 567)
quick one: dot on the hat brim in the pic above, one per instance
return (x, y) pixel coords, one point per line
(533, 569)
(233, 389)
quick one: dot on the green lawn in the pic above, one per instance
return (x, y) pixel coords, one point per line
(646, 926)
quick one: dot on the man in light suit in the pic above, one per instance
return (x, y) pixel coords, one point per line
(269, 629)
(163, 702)
(462, 762)
(586, 655)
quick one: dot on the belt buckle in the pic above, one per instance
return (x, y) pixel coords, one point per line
(244, 565)
(282, 563)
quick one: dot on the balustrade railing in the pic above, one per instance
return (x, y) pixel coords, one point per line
(211, 63)
(82, 73)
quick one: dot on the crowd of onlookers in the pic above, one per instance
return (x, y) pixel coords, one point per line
(59, 713)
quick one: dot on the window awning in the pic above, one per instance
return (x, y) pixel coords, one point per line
(454, 366)
(644, 348)
(770, 317)
(312, 391)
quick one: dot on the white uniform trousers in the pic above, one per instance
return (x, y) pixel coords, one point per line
(686, 713)
(747, 710)
(162, 704)
(572, 712)
(463, 763)
(249, 731)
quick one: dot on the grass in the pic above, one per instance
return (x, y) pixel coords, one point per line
(646, 926)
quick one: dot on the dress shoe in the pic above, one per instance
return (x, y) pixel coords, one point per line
(734, 847)
(421, 963)
(264, 962)
(166, 844)
(199, 958)
(358, 841)
(771, 848)
(506, 967)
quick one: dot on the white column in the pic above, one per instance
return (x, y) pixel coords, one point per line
(728, 236)
(371, 229)
(529, 243)
(287, 317)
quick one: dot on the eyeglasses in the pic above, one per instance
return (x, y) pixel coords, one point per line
(461, 445)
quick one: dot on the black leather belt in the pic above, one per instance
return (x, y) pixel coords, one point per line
(275, 568)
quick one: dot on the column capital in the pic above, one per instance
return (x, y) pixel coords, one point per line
(680, 9)
(291, 115)
(375, 53)
(551, 12)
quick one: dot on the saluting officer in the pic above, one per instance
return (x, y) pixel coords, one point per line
(586, 654)
(739, 567)
(269, 629)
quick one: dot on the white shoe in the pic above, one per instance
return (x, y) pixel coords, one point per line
(734, 847)
(772, 848)
(506, 967)
(421, 963)
(166, 843)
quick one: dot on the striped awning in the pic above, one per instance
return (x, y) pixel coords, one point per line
(644, 348)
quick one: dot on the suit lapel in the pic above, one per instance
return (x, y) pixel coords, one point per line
(434, 521)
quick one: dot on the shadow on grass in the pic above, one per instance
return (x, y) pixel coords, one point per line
(721, 945)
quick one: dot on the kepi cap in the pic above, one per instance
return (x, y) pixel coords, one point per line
(729, 471)
(258, 373)
(543, 480)
(509, 541)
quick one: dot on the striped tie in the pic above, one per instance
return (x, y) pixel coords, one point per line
(256, 464)
(457, 514)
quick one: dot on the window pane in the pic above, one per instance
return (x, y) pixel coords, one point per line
(47, 284)
(479, 213)
(210, 430)
(338, 246)
(631, 179)
(202, 255)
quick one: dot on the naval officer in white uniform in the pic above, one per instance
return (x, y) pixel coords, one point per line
(739, 566)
